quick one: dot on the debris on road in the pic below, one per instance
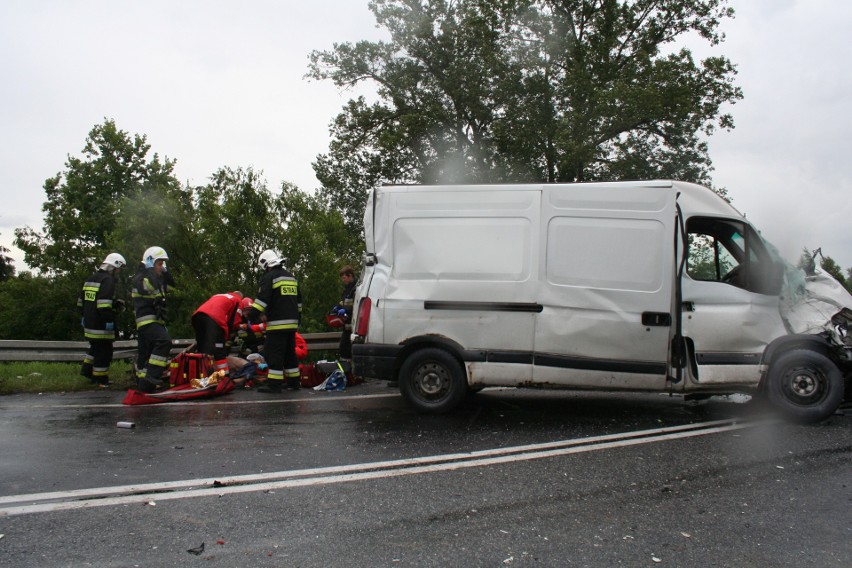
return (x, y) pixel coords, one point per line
(196, 551)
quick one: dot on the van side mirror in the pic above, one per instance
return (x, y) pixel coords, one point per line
(766, 278)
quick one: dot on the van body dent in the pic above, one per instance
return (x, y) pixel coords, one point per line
(644, 286)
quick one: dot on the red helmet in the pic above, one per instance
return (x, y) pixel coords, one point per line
(334, 320)
(245, 304)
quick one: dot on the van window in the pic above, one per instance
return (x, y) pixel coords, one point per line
(495, 249)
(732, 253)
(610, 254)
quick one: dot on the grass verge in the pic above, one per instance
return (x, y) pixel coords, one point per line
(26, 377)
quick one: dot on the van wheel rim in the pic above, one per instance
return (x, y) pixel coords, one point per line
(432, 380)
(804, 385)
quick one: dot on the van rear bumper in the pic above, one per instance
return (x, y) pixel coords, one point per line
(375, 361)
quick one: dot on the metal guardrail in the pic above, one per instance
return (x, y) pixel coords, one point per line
(73, 351)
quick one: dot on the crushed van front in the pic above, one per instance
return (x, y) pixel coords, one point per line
(817, 304)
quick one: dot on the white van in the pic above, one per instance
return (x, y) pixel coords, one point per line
(644, 286)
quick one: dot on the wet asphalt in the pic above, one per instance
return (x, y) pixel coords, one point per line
(770, 493)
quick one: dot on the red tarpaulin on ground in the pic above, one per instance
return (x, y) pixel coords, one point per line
(179, 393)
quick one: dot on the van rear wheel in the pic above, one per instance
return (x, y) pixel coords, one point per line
(432, 380)
(805, 385)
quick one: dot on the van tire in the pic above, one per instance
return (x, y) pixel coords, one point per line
(805, 386)
(432, 380)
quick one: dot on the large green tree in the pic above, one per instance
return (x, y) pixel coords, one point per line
(84, 202)
(527, 91)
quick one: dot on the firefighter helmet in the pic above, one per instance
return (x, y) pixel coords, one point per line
(268, 259)
(113, 260)
(245, 304)
(153, 254)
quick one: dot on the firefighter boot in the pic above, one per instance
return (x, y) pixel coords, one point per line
(271, 386)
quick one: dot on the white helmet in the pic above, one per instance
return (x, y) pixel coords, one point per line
(152, 255)
(268, 259)
(113, 260)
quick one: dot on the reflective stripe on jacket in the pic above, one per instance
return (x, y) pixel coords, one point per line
(149, 296)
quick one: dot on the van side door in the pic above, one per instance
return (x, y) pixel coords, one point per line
(607, 280)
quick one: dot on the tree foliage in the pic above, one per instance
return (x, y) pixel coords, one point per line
(807, 262)
(116, 199)
(525, 91)
(25, 295)
(85, 201)
(7, 264)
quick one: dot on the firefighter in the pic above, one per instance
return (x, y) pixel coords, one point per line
(149, 303)
(344, 310)
(279, 299)
(98, 307)
(214, 322)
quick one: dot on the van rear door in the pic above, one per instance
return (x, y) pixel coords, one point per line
(607, 280)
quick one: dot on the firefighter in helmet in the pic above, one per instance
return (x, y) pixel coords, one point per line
(279, 299)
(149, 302)
(98, 305)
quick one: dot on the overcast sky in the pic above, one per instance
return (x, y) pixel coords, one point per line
(220, 83)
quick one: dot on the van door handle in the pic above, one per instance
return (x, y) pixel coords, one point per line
(658, 319)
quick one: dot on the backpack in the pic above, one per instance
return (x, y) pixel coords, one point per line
(187, 366)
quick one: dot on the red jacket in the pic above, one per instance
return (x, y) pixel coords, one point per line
(223, 309)
(301, 347)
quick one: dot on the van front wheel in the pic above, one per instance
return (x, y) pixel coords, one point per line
(432, 380)
(805, 385)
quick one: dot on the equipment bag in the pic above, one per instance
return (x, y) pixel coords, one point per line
(187, 366)
(328, 367)
(310, 375)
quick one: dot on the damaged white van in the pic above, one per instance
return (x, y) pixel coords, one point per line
(654, 286)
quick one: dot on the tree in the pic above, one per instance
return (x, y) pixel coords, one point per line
(25, 297)
(215, 233)
(807, 262)
(84, 202)
(829, 265)
(315, 244)
(525, 91)
(7, 264)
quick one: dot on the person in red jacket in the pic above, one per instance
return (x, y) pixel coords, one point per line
(214, 322)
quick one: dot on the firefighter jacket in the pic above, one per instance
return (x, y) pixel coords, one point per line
(96, 301)
(347, 302)
(224, 309)
(149, 297)
(280, 300)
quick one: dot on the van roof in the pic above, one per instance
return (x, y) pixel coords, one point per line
(693, 198)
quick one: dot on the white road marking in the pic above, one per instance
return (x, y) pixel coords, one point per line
(206, 487)
(332, 397)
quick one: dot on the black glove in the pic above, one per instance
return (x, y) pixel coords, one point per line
(160, 309)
